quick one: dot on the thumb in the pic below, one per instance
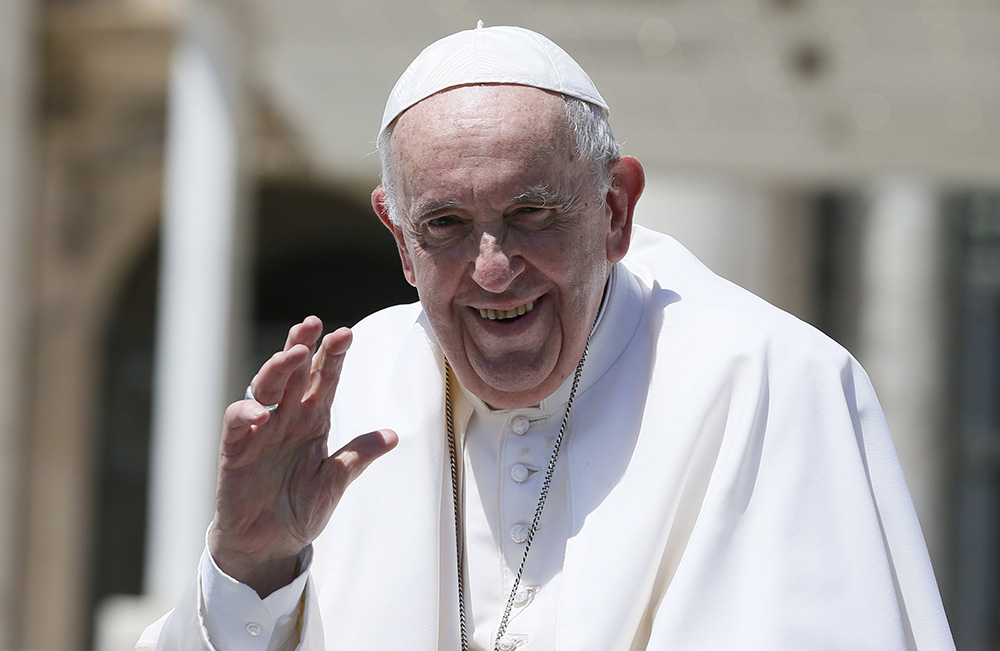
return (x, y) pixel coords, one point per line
(351, 460)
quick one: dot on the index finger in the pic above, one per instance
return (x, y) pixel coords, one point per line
(301, 335)
(327, 365)
(271, 383)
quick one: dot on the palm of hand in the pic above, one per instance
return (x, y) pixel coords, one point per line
(277, 486)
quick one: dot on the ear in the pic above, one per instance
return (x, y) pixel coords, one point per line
(382, 210)
(627, 182)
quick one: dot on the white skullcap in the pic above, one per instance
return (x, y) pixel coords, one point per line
(490, 55)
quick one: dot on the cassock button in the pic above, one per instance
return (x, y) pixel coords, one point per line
(520, 425)
(254, 629)
(524, 595)
(519, 533)
(519, 472)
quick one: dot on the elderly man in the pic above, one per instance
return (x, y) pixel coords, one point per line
(601, 445)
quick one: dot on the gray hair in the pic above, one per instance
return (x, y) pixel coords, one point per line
(594, 142)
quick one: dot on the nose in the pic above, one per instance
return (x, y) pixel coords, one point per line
(495, 267)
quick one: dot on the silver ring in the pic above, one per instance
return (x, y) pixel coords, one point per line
(249, 396)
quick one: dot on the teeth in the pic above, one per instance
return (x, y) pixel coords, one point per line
(494, 315)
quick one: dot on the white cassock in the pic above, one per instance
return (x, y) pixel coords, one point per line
(727, 481)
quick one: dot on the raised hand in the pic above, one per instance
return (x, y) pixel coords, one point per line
(277, 487)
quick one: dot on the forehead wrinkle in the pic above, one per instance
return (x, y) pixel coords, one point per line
(464, 132)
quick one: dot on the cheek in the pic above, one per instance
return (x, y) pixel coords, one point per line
(583, 261)
(422, 265)
(585, 281)
(435, 278)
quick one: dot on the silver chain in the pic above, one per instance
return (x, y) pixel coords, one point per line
(546, 483)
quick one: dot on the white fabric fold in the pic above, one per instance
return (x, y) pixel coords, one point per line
(731, 484)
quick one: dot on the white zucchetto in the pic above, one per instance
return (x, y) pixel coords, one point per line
(490, 55)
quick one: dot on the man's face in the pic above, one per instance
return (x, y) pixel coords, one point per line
(504, 235)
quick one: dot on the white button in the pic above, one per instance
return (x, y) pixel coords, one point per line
(520, 472)
(254, 629)
(524, 595)
(511, 641)
(507, 643)
(520, 425)
(519, 532)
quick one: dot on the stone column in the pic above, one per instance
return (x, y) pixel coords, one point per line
(203, 275)
(974, 593)
(759, 237)
(902, 339)
(17, 74)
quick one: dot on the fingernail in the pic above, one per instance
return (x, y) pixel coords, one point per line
(258, 412)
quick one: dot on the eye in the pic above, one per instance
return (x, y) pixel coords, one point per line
(443, 222)
(531, 218)
(440, 231)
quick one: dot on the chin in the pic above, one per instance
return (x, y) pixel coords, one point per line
(515, 377)
(503, 390)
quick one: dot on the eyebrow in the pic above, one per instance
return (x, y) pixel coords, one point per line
(434, 206)
(540, 194)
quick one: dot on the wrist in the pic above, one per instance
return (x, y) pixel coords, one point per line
(263, 570)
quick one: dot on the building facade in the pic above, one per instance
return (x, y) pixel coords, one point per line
(169, 169)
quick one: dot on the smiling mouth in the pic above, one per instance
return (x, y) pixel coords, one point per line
(502, 315)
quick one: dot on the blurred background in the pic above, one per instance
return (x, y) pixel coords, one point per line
(182, 179)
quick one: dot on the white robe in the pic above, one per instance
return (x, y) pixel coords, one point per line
(759, 504)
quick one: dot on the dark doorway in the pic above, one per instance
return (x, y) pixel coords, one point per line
(319, 254)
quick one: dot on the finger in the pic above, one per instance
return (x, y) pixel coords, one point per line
(348, 462)
(240, 419)
(298, 379)
(269, 385)
(326, 367)
(306, 333)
